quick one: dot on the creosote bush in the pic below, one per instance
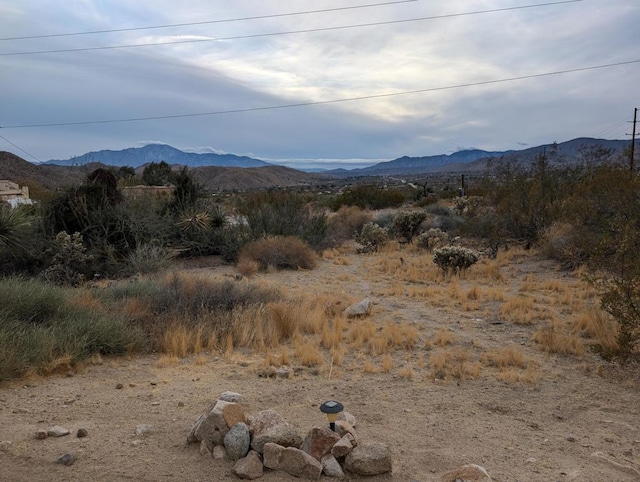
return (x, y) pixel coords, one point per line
(279, 252)
(454, 258)
(371, 237)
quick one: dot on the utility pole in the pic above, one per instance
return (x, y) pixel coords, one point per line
(633, 140)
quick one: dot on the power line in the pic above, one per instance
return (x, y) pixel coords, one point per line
(324, 102)
(291, 32)
(20, 148)
(189, 24)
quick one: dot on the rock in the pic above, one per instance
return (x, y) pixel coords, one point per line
(272, 455)
(343, 446)
(369, 459)
(467, 473)
(343, 428)
(143, 430)
(232, 397)
(57, 431)
(180, 404)
(319, 441)
(41, 434)
(82, 433)
(284, 372)
(206, 447)
(237, 441)
(300, 464)
(119, 386)
(269, 426)
(347, 417)
(331, 467)
(249, 467)
(219, 452)
(66, 459)
(361, 308)
(214, 424)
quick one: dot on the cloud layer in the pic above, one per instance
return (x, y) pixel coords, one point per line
(260, 72)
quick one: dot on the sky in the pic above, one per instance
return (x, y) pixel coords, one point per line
(349, 82)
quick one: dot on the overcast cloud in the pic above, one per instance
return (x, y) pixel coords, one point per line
(277, 70)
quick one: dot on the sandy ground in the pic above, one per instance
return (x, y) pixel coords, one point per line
(579, 421)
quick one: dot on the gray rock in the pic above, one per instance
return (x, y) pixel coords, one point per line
(369, 459)
(343, 428)
(206, 447)
(319, 441)
(232, 397)
(331, 467)
(361, 308)
(284, 372)
(347, 417)
(57, 431)
(249, 467)
(272, 455)
(237, 441)
(269, 426)
(66, 459)
(342, 447)
(144, 430)
(214, 424)
(467, 473)
(300, 464)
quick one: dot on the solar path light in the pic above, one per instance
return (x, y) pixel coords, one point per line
(332, 409)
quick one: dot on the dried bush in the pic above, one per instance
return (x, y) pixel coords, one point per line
(454, 258)
(280, 252)
(69, 261)
(371, 237)
(407, 223)
(432, 238)
(348, 221)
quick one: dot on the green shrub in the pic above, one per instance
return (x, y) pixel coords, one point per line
(280, 252)
(44, 328)
(369, 197)
(432, 238)
(371, 237)
(621, 299)
(454, 258)
(407, 223)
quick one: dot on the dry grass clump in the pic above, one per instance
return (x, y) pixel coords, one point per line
(520, 310)
(347, 221)
(308, 354)
(506, 357)
(598, 326)
(406, 372)
(443, 337)
(279, 252)
(515, 375)
(453, 364)
(553, 340)
(487, 269)
(387, 363)
(360, 332)
(248, 267)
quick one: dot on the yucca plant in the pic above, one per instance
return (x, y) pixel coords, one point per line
(15, 227)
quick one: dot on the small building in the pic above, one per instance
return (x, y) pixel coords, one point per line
(12, 193)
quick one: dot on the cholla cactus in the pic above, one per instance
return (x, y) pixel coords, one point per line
(433, 238)
(467, 205)
(454, 258)
(407, 223)
(371, 236)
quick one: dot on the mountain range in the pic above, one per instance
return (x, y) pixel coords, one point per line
(576, 151)
(139, 156)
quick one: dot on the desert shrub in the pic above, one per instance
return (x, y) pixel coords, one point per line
(407, 223)
(148, 258)
(284, 214)
(280, 252)
(44, 328)
(69, 260)
(432, 238)
(454, 258)
(621, 299)
(560, 242)
(371, 237)
(443, 217)
(344, 224)
(369, 197)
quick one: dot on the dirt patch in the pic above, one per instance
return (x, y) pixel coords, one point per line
(560, 417)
